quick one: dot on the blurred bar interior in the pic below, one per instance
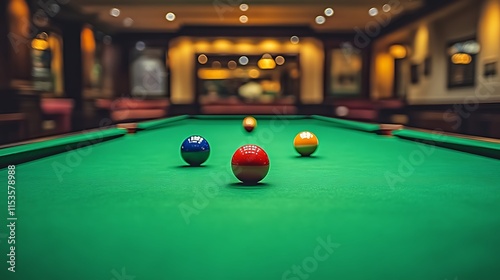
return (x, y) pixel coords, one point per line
(68, 66)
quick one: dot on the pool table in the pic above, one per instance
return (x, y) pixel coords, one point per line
(371, 203)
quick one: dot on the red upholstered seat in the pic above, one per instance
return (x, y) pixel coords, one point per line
(60, 109)
(123, 109)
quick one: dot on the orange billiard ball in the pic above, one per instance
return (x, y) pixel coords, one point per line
(249, 123)
(305, 143)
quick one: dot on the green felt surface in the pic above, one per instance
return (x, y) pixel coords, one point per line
(119, 209)
(161, 122)
(490, 149)
(368, 127)
(35, 150)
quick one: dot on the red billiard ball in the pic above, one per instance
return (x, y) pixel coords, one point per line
(249, 123)
(250, 164)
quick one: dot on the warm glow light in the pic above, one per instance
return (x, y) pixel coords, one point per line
(232, 64)
(18, 8)
(214, 74)
(40, 43)
(20, 18)
(386, 8)
(489, 28)
(243, 19)
(55, 44)
(420, 47)
(398, 51)
(270, 86)
(243, 7)
(87, 40)
(216, 64)
(269, 45)
(461, 58)
(202, 46)
(222, 45)
(239, 73)
(243, 46)
(254, 73)
(280, 60)
(266, 62)
(384, 75)
(202, 59)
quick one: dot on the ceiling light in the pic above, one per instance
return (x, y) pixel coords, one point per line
(243, 19)
(216, 64)
(232, 64)
(398, 51)
(329, 12)
(243, 60)
(114, 12)
(140, 46)
(254, 73)
(280, 60)
(170, 16)
(294, 40)
(320, 19)
(461, 58)
(386, 8)
(266, 62)
(41, 42)
(373, 12)
(202, 59)
(244, 7)
(128, 22)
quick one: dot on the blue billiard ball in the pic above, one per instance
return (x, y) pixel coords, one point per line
(195, 150)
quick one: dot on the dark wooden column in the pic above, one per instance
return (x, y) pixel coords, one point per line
(122, 77)
(5, 74)
(73, 73)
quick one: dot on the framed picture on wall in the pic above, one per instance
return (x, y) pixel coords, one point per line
(490, 69)
(148, 73)
(345, 72)
(462, 62)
